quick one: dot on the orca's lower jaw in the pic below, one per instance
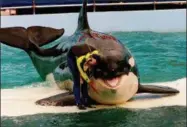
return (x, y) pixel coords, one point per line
(114, 91)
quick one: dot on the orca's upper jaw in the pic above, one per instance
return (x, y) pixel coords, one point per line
(105, 71)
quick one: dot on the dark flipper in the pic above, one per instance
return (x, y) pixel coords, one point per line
(15, 37)
(20, 37)
(156, 89)
(43, 35)
(63, 99)
(32, 38)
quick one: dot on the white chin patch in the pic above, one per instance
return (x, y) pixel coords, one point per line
(114, 91)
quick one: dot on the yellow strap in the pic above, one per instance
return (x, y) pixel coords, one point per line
(80, 59)
(83, 74)
(89, 54)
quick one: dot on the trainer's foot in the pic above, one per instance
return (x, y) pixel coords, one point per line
(90, 106)
(81, 107)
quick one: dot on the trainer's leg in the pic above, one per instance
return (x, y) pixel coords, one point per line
(85, 97)
(71, 60)
(84, 91)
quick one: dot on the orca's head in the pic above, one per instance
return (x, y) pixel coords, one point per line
(115, 75)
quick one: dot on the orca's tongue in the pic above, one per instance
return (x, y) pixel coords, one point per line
(112, 82)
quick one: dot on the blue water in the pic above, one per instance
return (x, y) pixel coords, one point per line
(160, 57)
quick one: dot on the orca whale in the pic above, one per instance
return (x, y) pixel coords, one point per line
(116, 78)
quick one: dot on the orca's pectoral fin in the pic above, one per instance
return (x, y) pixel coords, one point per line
(156, 89)
(63, 99)
(15, 37)
(43, 35)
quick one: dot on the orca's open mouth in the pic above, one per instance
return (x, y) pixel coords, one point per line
(115, 82)
(112, 82)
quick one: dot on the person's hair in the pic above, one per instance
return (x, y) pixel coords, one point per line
(97, 57)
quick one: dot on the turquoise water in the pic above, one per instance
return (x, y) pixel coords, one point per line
(160, 57)
(156, 117)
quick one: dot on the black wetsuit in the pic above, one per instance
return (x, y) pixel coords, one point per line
(71, 60)
(74, 52)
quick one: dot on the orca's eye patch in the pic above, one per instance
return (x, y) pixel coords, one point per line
(123, 64)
